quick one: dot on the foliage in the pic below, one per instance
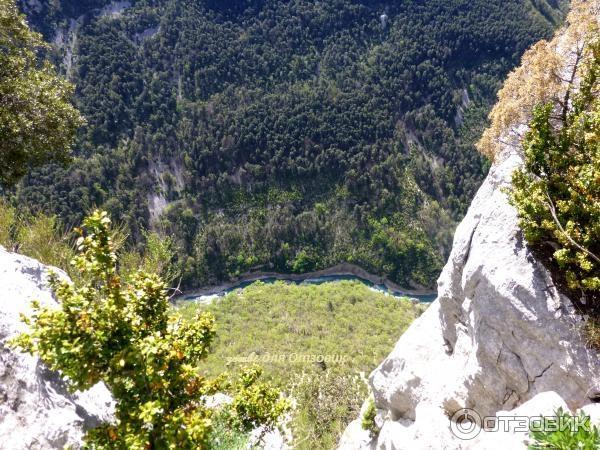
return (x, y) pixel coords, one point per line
(538, 79)
(8, 219)
(36, 235)
(591, 330)
(368, 419)
(37, 120)
(255, 402)
(566, 432)
(122, 334)
(158, 256)
(249, 117)
(270, 323)
(40, 237)
(557, 193)
(326, 403)
(225, 437)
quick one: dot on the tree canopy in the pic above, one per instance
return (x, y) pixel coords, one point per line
(283, 135)
(557, 191)
(37, 120)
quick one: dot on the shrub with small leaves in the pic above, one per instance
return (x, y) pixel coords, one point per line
(592, 332)
(557, 192)
(368, 419)
(121, 333)
(327, 402)
(255, 403)
(565, 432)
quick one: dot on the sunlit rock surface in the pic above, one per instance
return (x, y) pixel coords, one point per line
(36, 411)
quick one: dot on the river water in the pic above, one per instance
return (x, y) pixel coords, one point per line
(207, 298)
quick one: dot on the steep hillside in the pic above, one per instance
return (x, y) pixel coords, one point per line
(502, 340)
(287, 136)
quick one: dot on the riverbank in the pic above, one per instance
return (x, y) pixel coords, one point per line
(338, 271)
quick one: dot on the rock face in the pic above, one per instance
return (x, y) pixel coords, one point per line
(36, 411)
(500, 339)
(499, 334)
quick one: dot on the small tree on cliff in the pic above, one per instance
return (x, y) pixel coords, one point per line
(557, 192)
(122, 334)
(540, 79)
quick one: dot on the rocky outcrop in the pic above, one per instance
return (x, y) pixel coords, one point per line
(510, 429)
(498, 340)
(36, 410)
(499, 334)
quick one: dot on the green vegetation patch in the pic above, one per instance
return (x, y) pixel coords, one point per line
(289, 329)
(316, 342)
(557, 192)
(565, 432)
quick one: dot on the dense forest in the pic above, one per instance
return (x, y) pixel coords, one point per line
(282, 135)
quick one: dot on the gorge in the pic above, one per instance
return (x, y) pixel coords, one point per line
(267, 192)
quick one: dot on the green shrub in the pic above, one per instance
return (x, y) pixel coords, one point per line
(591, 330)
(36, 235)
(39, 236)
(7, 224)
(326, 403)
(368, 419)
(557, 192)
(157, 256)
(122, 334)
(305, 262)
(569, 433)
(224, 437)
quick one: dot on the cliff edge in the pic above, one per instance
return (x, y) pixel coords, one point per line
(36, 410)
(500, 340)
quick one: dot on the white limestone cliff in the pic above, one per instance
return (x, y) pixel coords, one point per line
(36, 410)
(498, 335)
(500, 339)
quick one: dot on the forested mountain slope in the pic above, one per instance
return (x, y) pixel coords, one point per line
(282, 135)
